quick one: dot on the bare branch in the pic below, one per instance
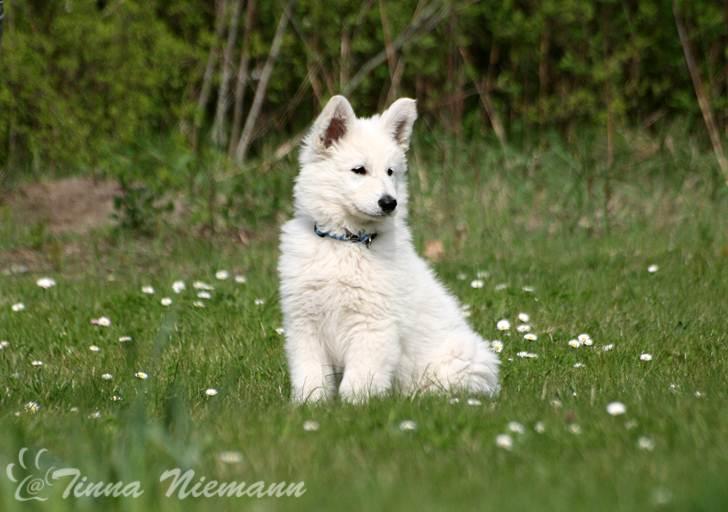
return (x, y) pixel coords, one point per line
(209, 71)
(486, 101)
(218, 125)
(260, 91)
(428, 19)
(703, 100)
(242, 78)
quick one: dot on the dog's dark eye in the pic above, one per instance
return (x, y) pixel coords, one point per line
(359, 170)
(390, 172)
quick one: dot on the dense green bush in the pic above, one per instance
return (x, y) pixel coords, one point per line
(82, 82)
(77, 80)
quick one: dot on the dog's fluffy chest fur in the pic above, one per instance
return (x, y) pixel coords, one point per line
(345, 285)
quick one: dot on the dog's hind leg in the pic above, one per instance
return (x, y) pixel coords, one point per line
(460, 364)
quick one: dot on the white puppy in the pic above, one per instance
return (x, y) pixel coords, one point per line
(359, 305)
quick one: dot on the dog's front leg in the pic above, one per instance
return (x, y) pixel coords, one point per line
(370, 364)
(312, 375)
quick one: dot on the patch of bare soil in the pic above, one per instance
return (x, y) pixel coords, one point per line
(70, 205)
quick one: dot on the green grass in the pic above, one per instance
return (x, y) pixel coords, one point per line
(536, 220)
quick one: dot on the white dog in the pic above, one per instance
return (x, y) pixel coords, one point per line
(358, 302)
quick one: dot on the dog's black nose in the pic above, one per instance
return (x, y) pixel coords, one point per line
(387, 203)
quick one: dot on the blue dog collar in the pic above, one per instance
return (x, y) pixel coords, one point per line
(361, 238)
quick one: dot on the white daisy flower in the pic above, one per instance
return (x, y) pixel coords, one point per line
(107, 376)
(222, 275)
(204, 295)
(556, 403)
(200, 285)
(645, 357)
(530, 337)
(259, 302)
(36, 363)
(516, 427)
(18, 306)
(147, 290)
(240, 279)
(178, 286)
(211, 392)
(476, 283)
(116, 398)
(473, 402)
(504, 441)
(230, 457)
(198, 304)
(523, 328)
(616, 408)
(94, 415)
(124, 339)
(653, 268)
(607, 348)
(280, 331)
(585, 339)
(528, 289)
(454, 400)
(646, 443)
(539, 427)
(94, 348)
(527, 355)
(4, 344)
(497, 346)
(523, 317)
(166, 301)
(579, 365)
(574, 428)
(101, 321)
(503, 325)
(407, 425)
(32, 407)
(699, 394)
(574, 343)
(46, 282)
(141, 375)
(311, 425)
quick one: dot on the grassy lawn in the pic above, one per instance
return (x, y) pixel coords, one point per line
(579, 241)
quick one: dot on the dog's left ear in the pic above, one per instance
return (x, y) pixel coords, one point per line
(398, 120)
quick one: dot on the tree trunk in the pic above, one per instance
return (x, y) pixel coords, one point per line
(703, 100)
(218, 126)
(260, 91)
(242, 78)
(204, 96)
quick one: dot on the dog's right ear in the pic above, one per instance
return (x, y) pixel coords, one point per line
(331, 125)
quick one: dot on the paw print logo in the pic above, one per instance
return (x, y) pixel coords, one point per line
(31, 487)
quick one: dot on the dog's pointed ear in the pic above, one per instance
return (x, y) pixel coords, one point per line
(331, 125)
(398, 120)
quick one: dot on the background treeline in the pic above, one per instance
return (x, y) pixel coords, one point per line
(93, 85)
